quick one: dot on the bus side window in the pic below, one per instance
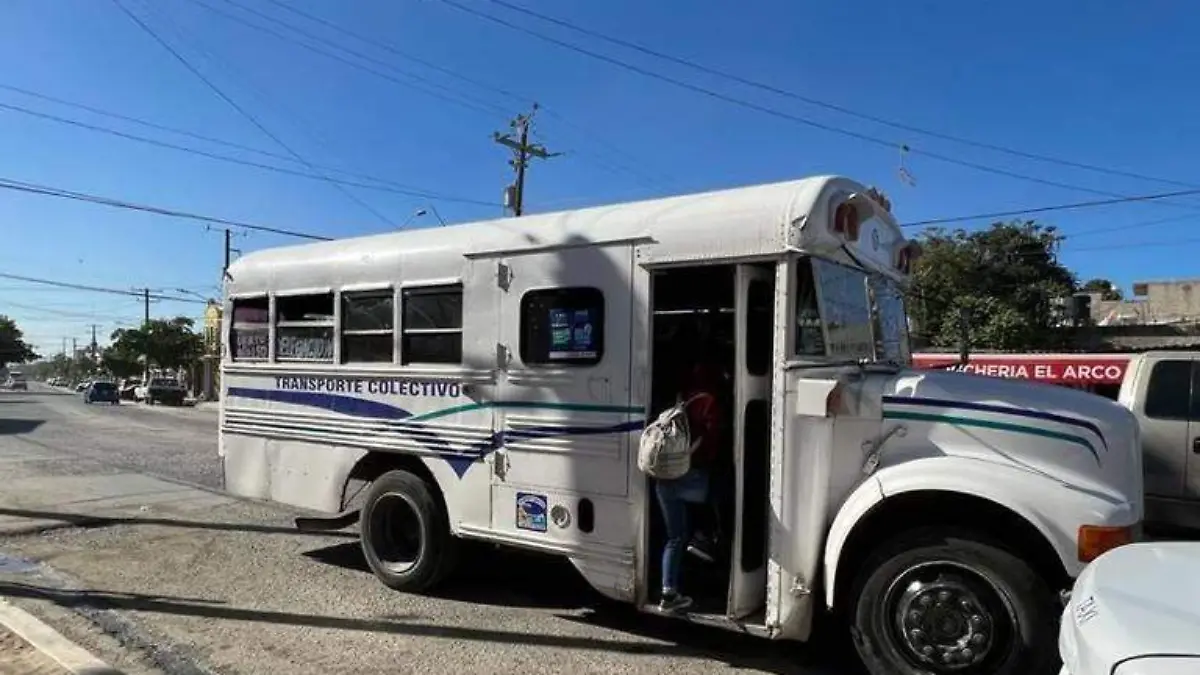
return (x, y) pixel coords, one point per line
(250, 329)
(368, 321)
(431, 325)
(304, 327)
(562, 326)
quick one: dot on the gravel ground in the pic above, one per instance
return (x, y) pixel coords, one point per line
(18, 657)
(233, 588)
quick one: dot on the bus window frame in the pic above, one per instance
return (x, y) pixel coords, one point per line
(332, 324)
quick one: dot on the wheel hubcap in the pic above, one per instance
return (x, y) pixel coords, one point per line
(397, 532)
(948, 617)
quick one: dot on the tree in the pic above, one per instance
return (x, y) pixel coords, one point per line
(13, 348)
(1004, 279)
(169, 343)
(1107, 289)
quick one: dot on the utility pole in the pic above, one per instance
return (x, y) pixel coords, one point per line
(225, 269)
(523, 150)
(146, 329)
(94, 346)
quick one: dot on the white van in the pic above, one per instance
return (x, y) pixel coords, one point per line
(1135, 611)
(488, 381)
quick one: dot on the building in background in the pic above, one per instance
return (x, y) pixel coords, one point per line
(210, 377)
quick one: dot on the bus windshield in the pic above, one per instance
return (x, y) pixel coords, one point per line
(845, 313)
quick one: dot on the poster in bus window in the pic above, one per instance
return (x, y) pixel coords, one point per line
(572, 334)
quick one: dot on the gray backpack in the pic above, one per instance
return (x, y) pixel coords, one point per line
(665, 448)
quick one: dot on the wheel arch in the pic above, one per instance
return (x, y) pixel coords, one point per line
(373, 465)
(937, 507)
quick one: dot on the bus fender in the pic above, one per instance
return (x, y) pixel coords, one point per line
(1010, 487)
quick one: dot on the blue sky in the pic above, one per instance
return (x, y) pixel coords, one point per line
(1110, 88)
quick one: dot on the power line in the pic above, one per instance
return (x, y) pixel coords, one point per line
(1056, 207)
(57, 312)
(901, 147)
(588, 133)
(1087, 232)
(477, 106)
(832, 106)
(97, 289)
(1137, 244)
(383, 186)
(142, 122)
(243, 112)
(33, 188)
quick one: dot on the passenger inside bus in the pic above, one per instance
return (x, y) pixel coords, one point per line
(693, 353)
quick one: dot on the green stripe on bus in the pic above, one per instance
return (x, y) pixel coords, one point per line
(570, 407)
(989, 424)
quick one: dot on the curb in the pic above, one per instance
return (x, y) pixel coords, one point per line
(50, 642)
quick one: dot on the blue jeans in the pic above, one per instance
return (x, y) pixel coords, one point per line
(673, 499)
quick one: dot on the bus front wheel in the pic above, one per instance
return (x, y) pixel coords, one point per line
(405, 533)
(937, 602)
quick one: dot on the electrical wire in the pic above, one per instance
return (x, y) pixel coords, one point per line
(467, 102)
(49, 191)
(142, 122)
(383, 186)
(57, 312)
(832, 106)
(245, 113)
(96, 289)
(585, 132)
(1056, 207)
(875, 140)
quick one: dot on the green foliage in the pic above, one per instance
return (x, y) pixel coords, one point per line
(1005, 277)
(13, 348)
(169, 343)
(1107, 289)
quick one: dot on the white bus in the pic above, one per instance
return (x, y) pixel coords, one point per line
(488, 381)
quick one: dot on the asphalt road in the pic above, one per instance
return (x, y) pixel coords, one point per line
(166, 576)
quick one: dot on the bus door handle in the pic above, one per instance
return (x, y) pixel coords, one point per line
(500, 463)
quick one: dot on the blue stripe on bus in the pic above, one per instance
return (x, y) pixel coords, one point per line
(356, 407)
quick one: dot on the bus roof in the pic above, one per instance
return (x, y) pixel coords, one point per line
(735, 222)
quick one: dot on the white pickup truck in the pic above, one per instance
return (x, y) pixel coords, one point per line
(1162, 389)
(160, 390)
(1135, 611)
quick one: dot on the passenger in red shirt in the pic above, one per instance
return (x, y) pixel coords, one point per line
(674, 496)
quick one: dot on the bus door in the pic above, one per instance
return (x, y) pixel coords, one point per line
(755, 333)
(563, 417)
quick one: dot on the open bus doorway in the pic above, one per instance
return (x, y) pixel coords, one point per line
(726, 313)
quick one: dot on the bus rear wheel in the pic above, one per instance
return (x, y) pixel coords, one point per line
(952, 603)
(405, 533)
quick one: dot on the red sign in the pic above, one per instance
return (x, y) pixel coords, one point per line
(1058, 368)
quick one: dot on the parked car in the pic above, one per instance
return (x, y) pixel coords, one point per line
(16, 382)
(102, 392)
(1135, 611)
(161, 390)
(128, 388)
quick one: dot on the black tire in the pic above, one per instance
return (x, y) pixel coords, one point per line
(916, 579)
(405, 533)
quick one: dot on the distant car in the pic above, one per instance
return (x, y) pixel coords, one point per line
(102, 392)
(82, 386)
(161, 390)
(128, 388)
(16, 383)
